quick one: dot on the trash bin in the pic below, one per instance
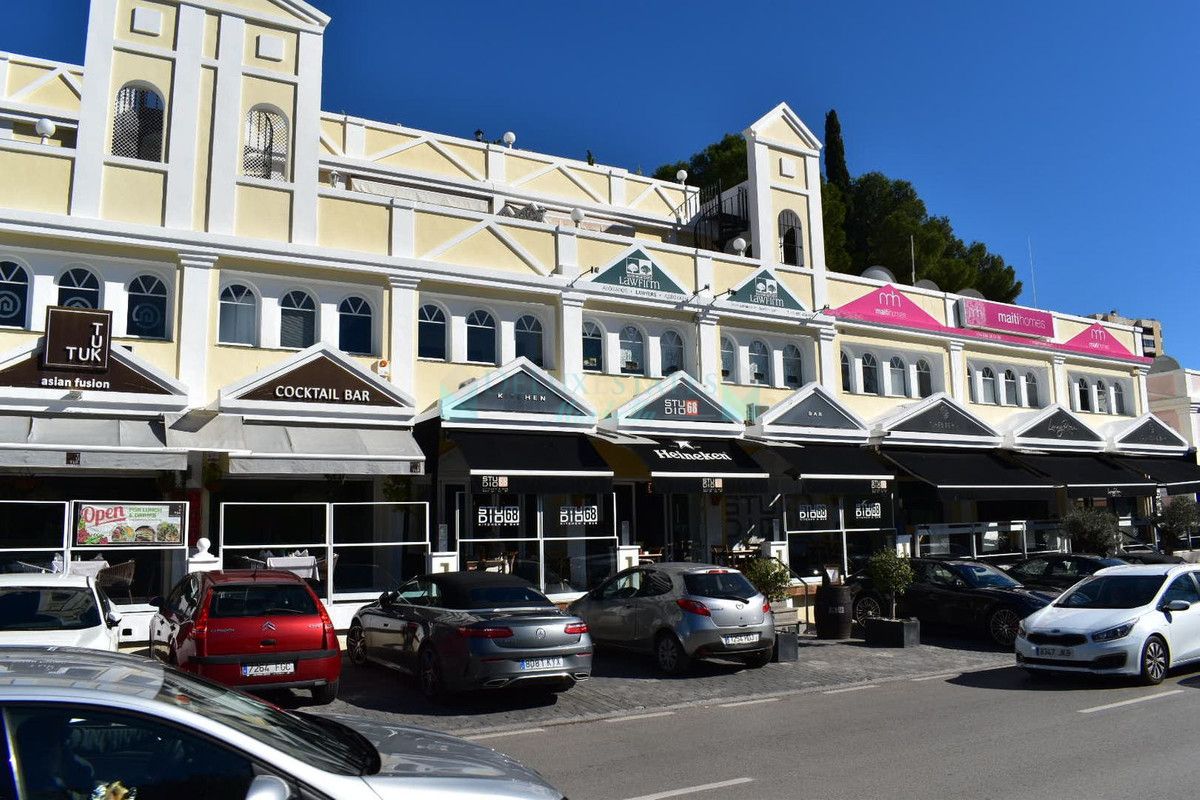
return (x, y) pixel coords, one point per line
(834, 612)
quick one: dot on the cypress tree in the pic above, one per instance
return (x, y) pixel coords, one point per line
(836, 171)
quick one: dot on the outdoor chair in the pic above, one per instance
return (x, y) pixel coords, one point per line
(117, 578)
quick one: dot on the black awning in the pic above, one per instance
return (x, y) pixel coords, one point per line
(1089, 475)
(837, 468)
(700, 465)
(532, 462)
(1178, 475)
(971, 474)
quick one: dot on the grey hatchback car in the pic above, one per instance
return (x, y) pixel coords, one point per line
(681, 611)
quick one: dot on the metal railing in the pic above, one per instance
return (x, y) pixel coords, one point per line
(991, 540)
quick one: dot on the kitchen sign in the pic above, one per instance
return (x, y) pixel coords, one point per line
(77, 339)
(129, 524)
(1003, 318)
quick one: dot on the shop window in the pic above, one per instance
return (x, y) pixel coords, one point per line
(847, 386)
(297, 320)
(670, 349)
(354, 326)
(924, 379)
(987, 383)
(431, 333)
(791, 239)
(239, 316)
(265, 154)
(138, 124)
(1118, 399)
(593, 348)
(528, 335)
(1011, 396)
(870, 374)
(728, 360)
(14, 294)
(481, 337)
(899, 374)
(147, 308)
(376, 546)
(1083, 395)
(760, 363)
(1101, 398)
(793, 367)
(1031, 390)
(33, 541)
(78, 288)
(633, 361)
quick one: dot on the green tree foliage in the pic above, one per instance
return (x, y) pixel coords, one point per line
(1179, 520)
(770, 577)
(723, 162)
(1092, 530)
(833, 214)
(836, 171)
(890, 574)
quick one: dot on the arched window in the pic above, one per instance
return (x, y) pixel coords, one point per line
(793, 367)
(870, 376)
(239, 315)
(987, 380)
(14, 294)
(354, 326)
(924, 378)
(138, 124)
(971, 385)
(265, 153)
(481, 337)
(899, 376)
(633, 352)
(147, 308)
(431, 333)
(1031, 390)
(728, 360)
(1118, 399)
(297, 320)
(593, 347)
(1012, 397)
(670, 348)
(847, 386)
(760, 363)
(78, 288)
(791, 239)
(1083, 396)
(1101, 398)
(528, 336)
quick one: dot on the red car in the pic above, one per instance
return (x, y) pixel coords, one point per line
(251, 629)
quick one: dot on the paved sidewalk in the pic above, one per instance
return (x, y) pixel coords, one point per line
(629, 684)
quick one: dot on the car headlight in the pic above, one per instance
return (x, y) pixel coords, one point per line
(1118, 632)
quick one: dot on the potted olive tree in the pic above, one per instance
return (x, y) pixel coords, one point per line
(891, 575)
(1092, 530)
(772, 578)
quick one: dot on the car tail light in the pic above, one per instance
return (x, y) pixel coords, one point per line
(329, 639)
(200, 631)
(577, 629)
(716, 572)
(485, 633)
(766, 606)
(693, 606)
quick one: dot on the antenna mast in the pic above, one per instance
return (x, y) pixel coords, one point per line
(1032, 273)
(912, 254)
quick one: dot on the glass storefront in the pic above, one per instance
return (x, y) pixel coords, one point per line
(842, 531)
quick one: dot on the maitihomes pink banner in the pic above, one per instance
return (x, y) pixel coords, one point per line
(1004, 318)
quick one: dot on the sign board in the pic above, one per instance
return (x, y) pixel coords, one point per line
(1154, 433)
(321, 380)
(764, 290)
(1098, 340)
(495, 516)
(638, 275)
(1003, 318)
(817, 411)
(1061, 425)
(889, 306)
(683, 403)
(579, 515)
(867, 511)
(77, 339)
(943, 418)
(129, 524)
(521, 393)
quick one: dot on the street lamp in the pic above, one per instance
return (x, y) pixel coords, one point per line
(508, 138)
(577, 216)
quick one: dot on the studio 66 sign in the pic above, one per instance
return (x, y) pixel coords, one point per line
(77, 339)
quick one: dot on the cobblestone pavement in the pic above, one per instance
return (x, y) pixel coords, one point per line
(629, 684)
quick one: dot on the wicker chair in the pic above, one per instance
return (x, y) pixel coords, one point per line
(117, 578)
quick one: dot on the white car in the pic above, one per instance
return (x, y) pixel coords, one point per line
(64, 610)
(1128, 620)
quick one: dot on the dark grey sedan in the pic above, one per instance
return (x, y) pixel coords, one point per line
(458, 631)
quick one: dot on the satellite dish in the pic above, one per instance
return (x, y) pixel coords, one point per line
(972, 293)
(1164, 364)
(879, 273)
(925, 283)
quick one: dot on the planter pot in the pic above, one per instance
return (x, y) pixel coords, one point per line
(892, 632)
(787, 647)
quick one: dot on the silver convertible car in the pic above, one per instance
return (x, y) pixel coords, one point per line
(82, 723)
(681, 611)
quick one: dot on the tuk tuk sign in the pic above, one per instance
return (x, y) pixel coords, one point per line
(77, 339)
(129, 524)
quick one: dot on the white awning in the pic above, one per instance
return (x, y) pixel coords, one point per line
(84, 442)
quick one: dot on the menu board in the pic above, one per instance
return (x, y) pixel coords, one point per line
(138, 524)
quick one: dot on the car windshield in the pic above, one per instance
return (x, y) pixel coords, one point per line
(981, 576)
(260, 600)
(505, 597)
(48, 608)
(321, 742)
(719, 584)
(1114, 591)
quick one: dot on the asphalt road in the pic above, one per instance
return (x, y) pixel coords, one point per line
(988, 734)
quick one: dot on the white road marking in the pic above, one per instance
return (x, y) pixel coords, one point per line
(693, 789)
(852, 689)
(479, 736)
(1130, 702)
(935, 677)
(641, 716)
(747, 702)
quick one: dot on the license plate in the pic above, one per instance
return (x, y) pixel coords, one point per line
(742, 638)
(265, 670)
(555, 662)
(1054, 652)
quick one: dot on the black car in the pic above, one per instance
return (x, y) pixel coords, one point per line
(1058, 572)
(457, 631)
(957, 593)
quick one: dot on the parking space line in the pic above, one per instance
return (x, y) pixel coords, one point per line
(747, 702)
(1107, 706)
(707, 787)
(935, 677)
(640, 716)
(479, 736)
(852, 689)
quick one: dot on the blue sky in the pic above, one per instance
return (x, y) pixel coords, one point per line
(1071, 124)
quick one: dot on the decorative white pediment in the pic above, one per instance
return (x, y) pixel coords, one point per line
(679, 404)
(762, 293)
(810, 414)
(1146, 435)
(938, 420)
(783, 117)
(519, 395)
(1052, 428)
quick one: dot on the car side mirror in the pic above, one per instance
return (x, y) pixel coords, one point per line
(1176, 605)
(387, 598)
(112, 619)
(268, 787)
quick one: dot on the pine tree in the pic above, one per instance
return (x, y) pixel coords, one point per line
(836, 171)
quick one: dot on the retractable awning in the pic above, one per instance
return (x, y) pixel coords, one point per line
(85, 442)
(514, 461)
(971, 474)
(835, 468)
(1089, 475)
(700, 465)
(1177, 475)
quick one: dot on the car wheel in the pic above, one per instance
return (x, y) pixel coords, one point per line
(430, 676)
(669, 654)
(1156, 660)
(324, 695)
(356, 645)
(867, 606)
(758, 660)
(1002, 626)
